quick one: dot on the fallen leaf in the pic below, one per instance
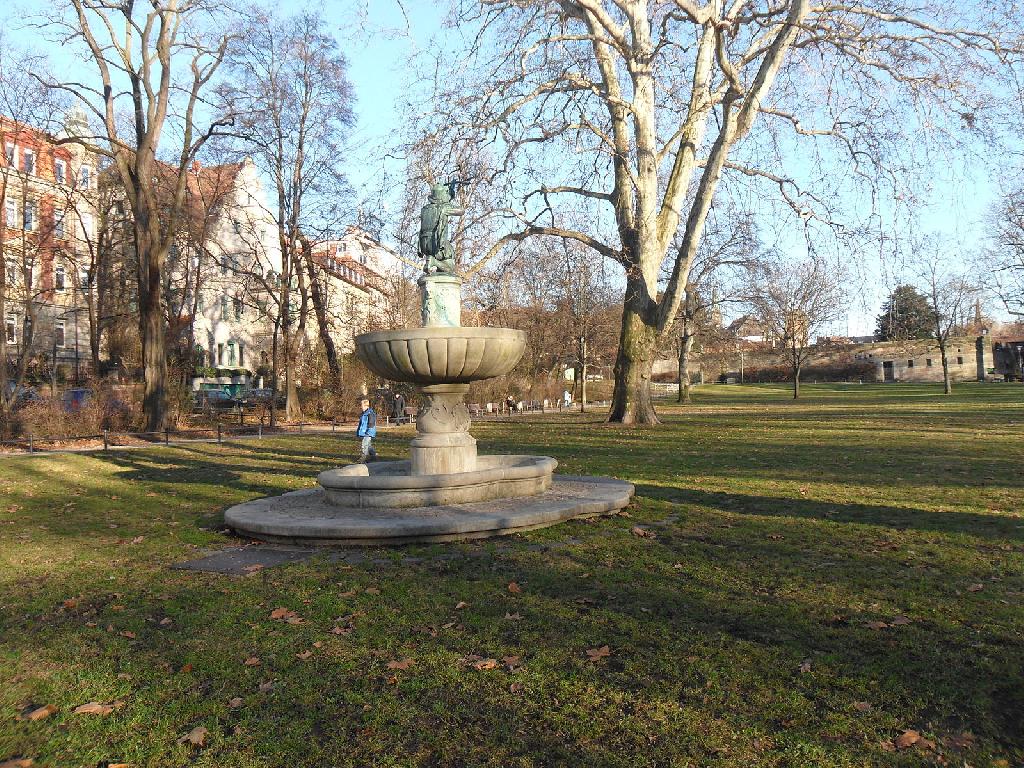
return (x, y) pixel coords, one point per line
(166, 621)
(515, 688)
(350, 593)
(485, 664)
(460, 605)
(512, 661)
(514, 588)
(898, 621)
(138, 539)
(69, 604)
(862, 706)
(372, 591)
(643, 533)
(252, 661)
(93, 708)
(963, 740)
(185, 669)
(598, 653)
(678, 566)
(776, 536)
(318, 644)
(975, 587)
(127, 633)
(805, 665)
(120, 765)
(18, 762)
(403, 664)
(196, 737)
(283, 614)
(876, 625)
(304, 655)
(236, 702)
(38, 713)
(513, 616)
(341, 631)
(253, 568)
(264, 687)
(907, 739)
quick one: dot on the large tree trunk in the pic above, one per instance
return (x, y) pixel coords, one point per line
(685, 348)
(631, 400)
(947, 384)
(151, 324)
(320, 310)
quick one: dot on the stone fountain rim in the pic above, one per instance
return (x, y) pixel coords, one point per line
(441, 332)
(356, 477)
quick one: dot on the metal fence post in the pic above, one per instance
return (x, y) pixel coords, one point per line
(31, 449)
(259, 434)
(106, 441)
(300, 427)
(218, 433)
(167, 436)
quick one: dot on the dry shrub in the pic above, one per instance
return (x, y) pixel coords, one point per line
(103, 409)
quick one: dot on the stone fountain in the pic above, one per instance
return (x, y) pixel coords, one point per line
(445, 490)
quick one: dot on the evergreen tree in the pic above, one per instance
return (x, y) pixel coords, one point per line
(906, 314)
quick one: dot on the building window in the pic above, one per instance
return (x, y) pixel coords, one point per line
(200, 303)
(83, 279)
(237, 226)
(12, 272)
(58, 225)
(241, 355)
(11, 213)
(59, 334)
(224, 264)
(910, 363)
(59, 171)
(84, 176)
(28, 161)
(87, 228)
(59, 279)
(12, 329)
(224, 306)
(28, 215)
(959, 361)
(237, 302)
(928, 362)
(232, 358)
(11, 153)
(220, 354)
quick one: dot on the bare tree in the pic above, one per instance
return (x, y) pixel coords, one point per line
(952, 299)
(155, 63)
(638, 111)
(715, 279)
(40, 240)
(290, 83)
(1004, 259)
(793, 301)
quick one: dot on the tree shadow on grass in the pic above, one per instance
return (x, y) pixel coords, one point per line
(987, 526)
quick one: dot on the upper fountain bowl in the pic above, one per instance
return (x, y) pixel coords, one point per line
(443, 355)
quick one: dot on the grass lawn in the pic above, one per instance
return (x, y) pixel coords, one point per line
(823, 576)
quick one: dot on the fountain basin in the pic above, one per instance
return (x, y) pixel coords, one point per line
(392, 484)
(444, 355)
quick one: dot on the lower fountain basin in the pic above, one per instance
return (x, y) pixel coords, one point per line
(391, 484)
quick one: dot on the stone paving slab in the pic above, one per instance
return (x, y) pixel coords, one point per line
(241, 560)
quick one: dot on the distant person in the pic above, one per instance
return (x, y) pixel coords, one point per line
(399, 408)
(366, 431)
(567, 398)
(510, 403)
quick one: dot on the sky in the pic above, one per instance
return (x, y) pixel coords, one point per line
(378, 37)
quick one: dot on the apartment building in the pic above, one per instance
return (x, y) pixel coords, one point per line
(47, 238)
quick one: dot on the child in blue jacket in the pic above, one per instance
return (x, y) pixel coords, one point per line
(367, 430)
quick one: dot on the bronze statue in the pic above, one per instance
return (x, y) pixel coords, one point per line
(435, 244)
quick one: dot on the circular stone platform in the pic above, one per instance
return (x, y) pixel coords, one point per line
(306, 517)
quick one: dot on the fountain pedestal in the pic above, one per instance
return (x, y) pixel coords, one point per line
(444, 445)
